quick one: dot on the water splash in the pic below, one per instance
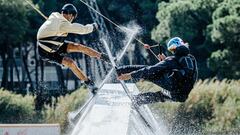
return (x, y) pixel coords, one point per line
(150, 125)
(130, 31)
(134, 124)
(112, 114)
(131, 28)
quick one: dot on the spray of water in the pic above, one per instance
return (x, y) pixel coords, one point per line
(131, 27)
(144, 112)
(131, 30)
(74, 114)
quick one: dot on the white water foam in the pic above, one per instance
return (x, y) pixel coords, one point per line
(112, 114)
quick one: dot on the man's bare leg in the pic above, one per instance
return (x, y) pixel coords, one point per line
(74, 47)
(68, 62)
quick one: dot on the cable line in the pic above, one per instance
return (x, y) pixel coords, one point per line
(34, 7)
(125, 30)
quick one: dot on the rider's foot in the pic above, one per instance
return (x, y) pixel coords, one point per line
(91, 86)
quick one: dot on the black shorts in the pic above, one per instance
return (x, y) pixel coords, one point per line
(54, 57)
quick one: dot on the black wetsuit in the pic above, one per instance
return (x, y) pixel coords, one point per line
(176, 75)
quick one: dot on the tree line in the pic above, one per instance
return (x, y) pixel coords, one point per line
(211, 27)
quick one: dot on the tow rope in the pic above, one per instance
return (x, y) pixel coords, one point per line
(123, 29)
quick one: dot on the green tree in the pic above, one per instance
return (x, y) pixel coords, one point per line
(13, 26)
(220, 61)
(225, 33)
(190, 20)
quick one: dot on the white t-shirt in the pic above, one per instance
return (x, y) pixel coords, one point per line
(57, 27)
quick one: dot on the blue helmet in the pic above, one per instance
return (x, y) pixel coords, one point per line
(174, 42)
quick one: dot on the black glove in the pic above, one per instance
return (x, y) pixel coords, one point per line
(91, 86)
